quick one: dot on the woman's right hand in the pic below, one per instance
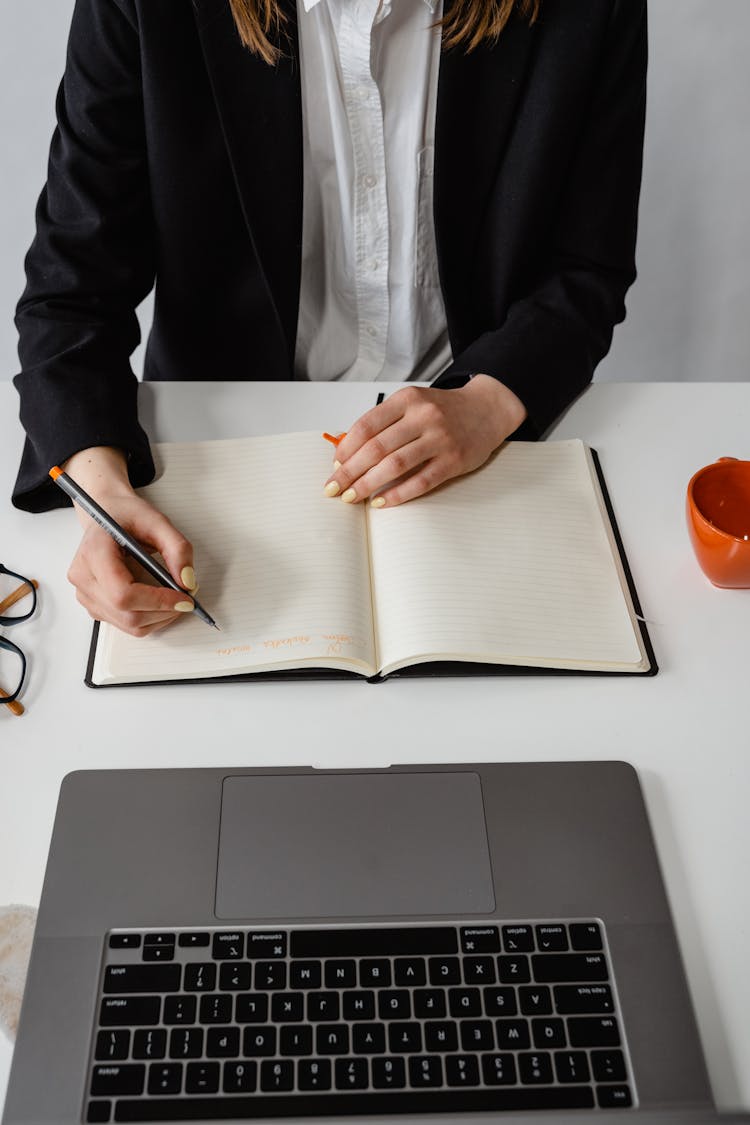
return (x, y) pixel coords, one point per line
(110, 584)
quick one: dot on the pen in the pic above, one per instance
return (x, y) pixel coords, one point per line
(127, 542)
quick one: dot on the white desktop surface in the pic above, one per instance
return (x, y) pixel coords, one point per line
(687, 730)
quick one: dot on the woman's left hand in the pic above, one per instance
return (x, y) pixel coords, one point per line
(420, 437)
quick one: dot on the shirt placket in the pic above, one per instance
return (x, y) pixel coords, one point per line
(370, 203)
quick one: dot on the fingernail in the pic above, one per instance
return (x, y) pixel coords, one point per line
(378, 502)
(336, 466)
(349, 496)
(184, 607)
(332, 488)
(187, 577)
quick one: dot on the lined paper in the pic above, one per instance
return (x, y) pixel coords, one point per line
(282, 568)
(511, 564)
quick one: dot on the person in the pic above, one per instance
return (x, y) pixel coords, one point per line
(445, 196)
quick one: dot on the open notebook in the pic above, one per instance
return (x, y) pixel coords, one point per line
(516, 564)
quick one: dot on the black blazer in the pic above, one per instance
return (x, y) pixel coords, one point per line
(178, 161)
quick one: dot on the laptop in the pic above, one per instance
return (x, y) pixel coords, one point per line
(449, 941)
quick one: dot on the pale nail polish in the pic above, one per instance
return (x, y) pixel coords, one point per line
(336, 466)
(187, 577)
(349, 496)
(378, 502)
(184, 607)
(332, 488)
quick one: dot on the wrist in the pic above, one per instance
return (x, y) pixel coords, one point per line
(100, 470)
(503, 405)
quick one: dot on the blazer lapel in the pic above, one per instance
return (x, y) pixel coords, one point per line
(476, 104)
(260, 110)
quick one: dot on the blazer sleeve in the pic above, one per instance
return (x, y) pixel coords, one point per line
(556, 333)
(91, 262)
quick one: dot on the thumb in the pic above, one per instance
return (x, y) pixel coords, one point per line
(153, 529)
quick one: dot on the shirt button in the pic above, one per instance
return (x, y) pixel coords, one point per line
(370, 180)
(374, 264)
(371, 330)
(362, 93)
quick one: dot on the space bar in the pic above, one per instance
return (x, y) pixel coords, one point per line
(236, 1108)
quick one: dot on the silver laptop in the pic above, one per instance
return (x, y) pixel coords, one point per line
(454, 940)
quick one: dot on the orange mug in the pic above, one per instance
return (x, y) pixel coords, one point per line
(718, 518)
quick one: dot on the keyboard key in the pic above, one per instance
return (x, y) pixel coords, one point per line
(409, 972)
(608, 1066)
(404, 1038)
(441, 1035)
(277, 1075)
(252, 1008)
(535, 1069)
(202, 1078)
(228, 946)
(429, 1003)
(480, 939)
(444, 970)
(498, 1070)
(287, 1007)
(179, 1009)
(585, 935)
(368, 1039)
(500, 1001)
(590, 1031)
(518, 939)
(332, 1039)
(425, 1071)
(557, 968)
(216, 1009)
(186, 1043)
(129, 1011)
(112, 1045)
(548, 1033)
(513, 970)
(477, 1035)
(141, 978)
(359, 1005)
(375, 973)
(551, 939)
(111, 1080)
(194, 940)
(150, 1044)
(258, 1041)
(535, 1001)
(165, 1078)
(572, 1066)
(124, 941)
(323, 1006)
(314, 1074)
(158, 953)
(270, 974)
(266, 944)
(159, 939)
(462, 1070)
(613, 1097)
(296, 1040)
(479, 970)
(234, 976)
(351, 1074)
(388, 1074)
(341, 974)
(98, 1112)
(305, 974)
(222, 1043)
(394, 1004)
(375, 942)
(580, 999)
(465, 1002)
(200, 978)
(239, 1077)
(512, 1035)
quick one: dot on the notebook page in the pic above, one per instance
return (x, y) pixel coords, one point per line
(511, 564)
(282, 568)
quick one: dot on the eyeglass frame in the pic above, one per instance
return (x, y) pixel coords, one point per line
(16, 619)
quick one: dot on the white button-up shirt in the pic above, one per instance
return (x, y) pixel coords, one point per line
(370, 301)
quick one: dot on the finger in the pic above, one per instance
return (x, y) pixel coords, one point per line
(117, 589)
(136, 624)
(428, 476)
(373, 422)
(403, 462)
(388, 447)
(154, 530)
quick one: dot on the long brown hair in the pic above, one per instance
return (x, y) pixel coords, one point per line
(469, 23)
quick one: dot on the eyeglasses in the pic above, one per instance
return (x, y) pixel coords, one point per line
(14, 666)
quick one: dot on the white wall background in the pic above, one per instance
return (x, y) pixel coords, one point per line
(689, 312)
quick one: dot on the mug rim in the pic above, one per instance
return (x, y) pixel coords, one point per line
(697, 511)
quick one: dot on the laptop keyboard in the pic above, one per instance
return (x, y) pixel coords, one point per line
(205, 1025)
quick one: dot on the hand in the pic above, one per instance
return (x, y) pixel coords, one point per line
(109, 584)
(421, 437)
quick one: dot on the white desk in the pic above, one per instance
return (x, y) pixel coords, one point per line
(686, 730)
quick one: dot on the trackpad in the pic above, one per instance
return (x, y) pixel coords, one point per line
(342, 845)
